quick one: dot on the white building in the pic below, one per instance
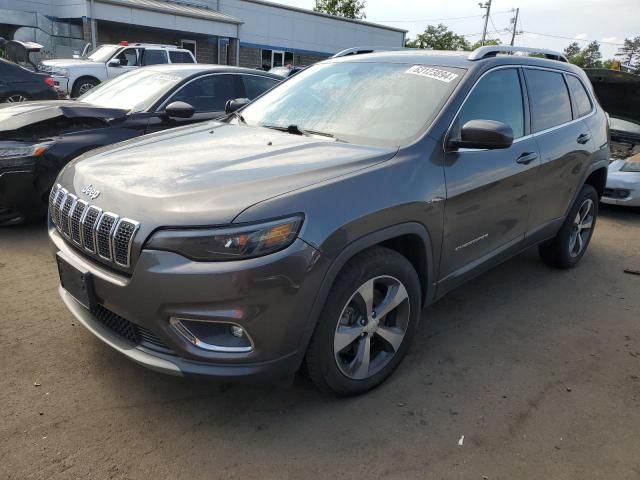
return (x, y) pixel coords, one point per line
(250, 33)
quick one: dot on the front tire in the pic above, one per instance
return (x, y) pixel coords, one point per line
(366, 325)
(82, 86)
(568, 247)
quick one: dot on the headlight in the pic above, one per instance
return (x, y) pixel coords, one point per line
(59, 71)
(11, 155)
(233, 243)
(631, 166)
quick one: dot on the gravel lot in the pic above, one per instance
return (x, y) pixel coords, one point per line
(538, 369)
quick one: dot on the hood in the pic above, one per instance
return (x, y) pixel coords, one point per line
(72, 62)
(209, 173)
(17, 115)
(617, 92)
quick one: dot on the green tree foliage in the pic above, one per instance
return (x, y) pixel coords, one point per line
(572, 50)
(629, 53)
(478, 44)
(342, 8)
(588, 57)
(439, 38)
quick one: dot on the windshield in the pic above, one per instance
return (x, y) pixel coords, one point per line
(386, 104)
(103, 53)
(135, 91)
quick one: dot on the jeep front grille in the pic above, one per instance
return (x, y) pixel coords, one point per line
(102, 233)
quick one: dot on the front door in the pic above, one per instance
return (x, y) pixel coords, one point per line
(128, 58)
(277, 58)
(488, 191)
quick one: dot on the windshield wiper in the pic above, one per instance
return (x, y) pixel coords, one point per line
(296, 130)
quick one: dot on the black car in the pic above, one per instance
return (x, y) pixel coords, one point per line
(19, 80)
(38, 138)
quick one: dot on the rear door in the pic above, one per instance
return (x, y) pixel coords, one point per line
(488, 191)
(564, 140)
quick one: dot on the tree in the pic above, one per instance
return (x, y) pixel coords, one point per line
(439, 38)
(629, 53)
(592, 56)
(572, 50)
(342, 8)
(478, 44)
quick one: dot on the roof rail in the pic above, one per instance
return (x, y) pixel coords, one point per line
(362, 50)
(493, 50)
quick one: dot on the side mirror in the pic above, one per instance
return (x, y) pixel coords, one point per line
(485, 134)
(179, 110)
(114, 62)
(236, 104)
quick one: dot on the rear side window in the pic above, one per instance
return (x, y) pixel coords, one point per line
(154, 57)
(580, 96)
(549, 97)
(180, 57)
(255, 85)
(497, 96)
(209, 93)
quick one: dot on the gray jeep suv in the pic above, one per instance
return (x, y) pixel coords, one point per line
(313, 226)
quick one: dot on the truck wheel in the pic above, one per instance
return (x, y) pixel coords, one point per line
(568, 247)
(366, 325)
(83, 85)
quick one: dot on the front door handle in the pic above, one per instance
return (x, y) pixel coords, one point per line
(527, 157)
(584, 138)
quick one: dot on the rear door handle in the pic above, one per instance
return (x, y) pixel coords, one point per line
(584, 138)
(527, 157)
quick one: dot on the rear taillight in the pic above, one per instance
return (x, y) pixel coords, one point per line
(49, 81)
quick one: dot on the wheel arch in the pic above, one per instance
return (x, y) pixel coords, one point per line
(598, 180)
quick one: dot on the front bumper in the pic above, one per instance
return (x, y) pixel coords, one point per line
(19, 198)
(623, 188)
(270, 297)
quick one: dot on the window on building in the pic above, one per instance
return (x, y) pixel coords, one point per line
(501, 84)
(154, 57)
(580, 96)
(189, 45)
(255, 85)
(275, 58)
(549, 97)
(288, 58)
(209, 93)
(180, 57)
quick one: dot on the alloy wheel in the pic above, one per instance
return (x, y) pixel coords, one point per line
(84, 88)
(371, 327)
(581, 229)
(16, 98)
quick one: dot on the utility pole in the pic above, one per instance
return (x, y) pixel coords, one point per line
(515, 27)
(486, 5)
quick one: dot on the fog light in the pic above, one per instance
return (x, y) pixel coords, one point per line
(237, 331)
(212, 335)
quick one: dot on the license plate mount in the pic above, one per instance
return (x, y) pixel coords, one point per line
(77, 282)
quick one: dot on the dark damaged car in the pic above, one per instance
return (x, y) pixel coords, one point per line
(38, 138)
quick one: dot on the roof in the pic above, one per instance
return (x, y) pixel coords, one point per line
(187, 69)
(326, 15)
(172, 8)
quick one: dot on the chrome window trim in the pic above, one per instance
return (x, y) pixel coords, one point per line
(531, 135)
(93, 236)
(96, 227)
(136, 226)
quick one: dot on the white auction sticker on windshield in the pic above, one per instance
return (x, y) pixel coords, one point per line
(434, 73)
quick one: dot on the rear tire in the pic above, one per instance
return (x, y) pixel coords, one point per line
(568, 247)
(83, 85)
(357, 343)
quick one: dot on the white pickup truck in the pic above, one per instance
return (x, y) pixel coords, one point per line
(78, 75)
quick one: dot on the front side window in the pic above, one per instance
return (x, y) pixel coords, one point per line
(549, 99)
(580, 96)
(255, 85)
(209, 93)
(374, 103)
(498, 97)
(153, 57)
(128, 57)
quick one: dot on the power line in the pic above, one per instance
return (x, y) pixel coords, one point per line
(570, 38)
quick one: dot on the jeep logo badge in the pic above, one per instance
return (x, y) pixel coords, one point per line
(91, 192)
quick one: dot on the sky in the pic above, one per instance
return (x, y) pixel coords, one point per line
(607, 21)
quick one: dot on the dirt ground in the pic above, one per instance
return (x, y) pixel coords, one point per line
(538, 369)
